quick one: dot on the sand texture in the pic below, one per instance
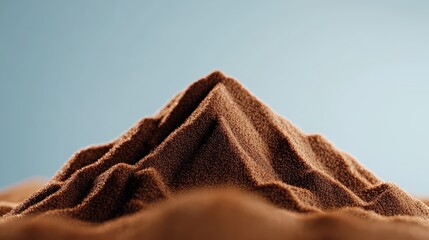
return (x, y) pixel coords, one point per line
(217, 158)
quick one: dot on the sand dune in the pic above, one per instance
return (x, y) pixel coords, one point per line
(216, 134)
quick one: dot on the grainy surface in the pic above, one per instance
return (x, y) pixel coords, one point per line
(212, 135)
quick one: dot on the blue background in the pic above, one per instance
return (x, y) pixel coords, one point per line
(74, 73)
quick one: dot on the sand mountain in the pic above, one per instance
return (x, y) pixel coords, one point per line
(215, 133)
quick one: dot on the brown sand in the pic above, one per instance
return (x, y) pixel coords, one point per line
(152, 181)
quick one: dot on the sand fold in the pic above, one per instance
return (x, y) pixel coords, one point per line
(215, 134)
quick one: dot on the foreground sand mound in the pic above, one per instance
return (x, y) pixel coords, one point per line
(213, 215)
(216, 133)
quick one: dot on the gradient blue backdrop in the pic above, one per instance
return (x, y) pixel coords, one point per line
(74, 73)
